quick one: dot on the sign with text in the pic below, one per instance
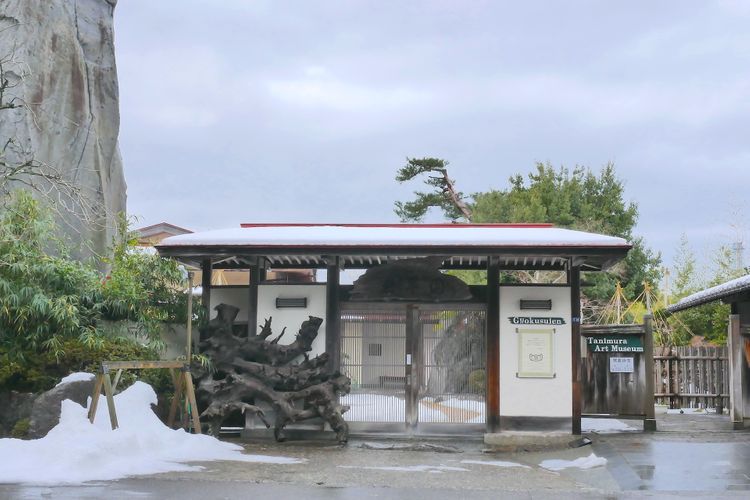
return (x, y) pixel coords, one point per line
(534, 320)
(621, 365)
(615, 343)
(535, 351)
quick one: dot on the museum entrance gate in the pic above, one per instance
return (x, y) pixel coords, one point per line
(415, 368)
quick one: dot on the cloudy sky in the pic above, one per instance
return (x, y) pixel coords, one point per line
(238, 110)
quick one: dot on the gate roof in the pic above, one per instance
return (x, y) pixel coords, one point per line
(464, 246)
(729, 291)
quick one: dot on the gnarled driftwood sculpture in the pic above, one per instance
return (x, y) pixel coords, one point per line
(250, 370)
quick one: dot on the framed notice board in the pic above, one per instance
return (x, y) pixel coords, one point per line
(536, 352)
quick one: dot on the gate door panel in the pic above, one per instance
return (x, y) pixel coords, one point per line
(373, 351)
(450, 363)
(414, 368)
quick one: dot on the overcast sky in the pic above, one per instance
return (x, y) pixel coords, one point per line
(238, 111)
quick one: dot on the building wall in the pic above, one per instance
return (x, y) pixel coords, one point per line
(292, 318)
(235, 296)
(535, 397)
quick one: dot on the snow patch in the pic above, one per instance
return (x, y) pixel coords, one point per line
(580, 463)
(76, 377)
(603, 425)
(75, 451)
(434, 469)
(691, 411)
(495, 463)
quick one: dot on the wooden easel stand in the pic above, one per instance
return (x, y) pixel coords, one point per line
(183, 384)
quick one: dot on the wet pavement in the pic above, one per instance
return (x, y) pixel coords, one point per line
(694, 456)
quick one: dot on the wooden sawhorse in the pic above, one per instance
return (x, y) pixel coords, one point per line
(183, 383)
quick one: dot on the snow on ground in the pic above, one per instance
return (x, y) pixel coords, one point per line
(692, 411)
(581, 463)
(434, 469)
(75, 451)
(602, 425)
(495, 463)
(372, 407)
(76, 377)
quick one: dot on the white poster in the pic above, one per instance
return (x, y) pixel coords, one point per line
(621, 365)
(535, 352)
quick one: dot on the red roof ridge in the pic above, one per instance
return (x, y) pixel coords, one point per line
(398, 225)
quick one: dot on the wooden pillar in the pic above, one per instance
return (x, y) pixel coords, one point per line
(333, 314)
(252, 300)
(575, 345)
(649, 420)
(493, 345)
(735, 344)
(206, 286)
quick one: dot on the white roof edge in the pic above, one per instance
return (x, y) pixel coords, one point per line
(712, 294)
(322, 236)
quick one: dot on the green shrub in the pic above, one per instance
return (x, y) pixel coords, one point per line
(47, 298)
(21, 429)
(44, 299)
(477, 381)
(56, 312)
(37, 372)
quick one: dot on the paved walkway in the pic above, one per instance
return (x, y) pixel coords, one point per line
(703, 460)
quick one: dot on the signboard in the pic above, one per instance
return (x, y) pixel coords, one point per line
(533, 320)
(535, 352)
(621, 365)
(615, 343)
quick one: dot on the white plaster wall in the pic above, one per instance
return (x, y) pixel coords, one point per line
(292, 318)
(535, 397)
(237, 297)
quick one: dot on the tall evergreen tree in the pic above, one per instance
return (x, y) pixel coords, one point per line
(578, 199)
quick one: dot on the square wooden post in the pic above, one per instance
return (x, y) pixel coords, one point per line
(649, 419)
(493, 346)
(735, 344)
(252, 301)
(333, 314)
(575, 346)
(206, 287)
(95, 396)
(190, 394)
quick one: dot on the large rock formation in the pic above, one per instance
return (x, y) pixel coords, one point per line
(416, 280)
(59, 54)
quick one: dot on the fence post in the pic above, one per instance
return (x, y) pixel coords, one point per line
(736, 361)
(649, 420)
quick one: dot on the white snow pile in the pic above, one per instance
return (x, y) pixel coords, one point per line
(433, 469)
(75, 451)
(604, 425)
(581, 463)
(76, 377)
(495, 463)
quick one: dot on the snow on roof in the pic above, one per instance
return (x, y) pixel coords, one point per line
(161, 227)
(395, 235)
(714, 293)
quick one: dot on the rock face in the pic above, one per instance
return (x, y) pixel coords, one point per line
(14, 406)
(417, 280)
(45, 412)
(61, 55)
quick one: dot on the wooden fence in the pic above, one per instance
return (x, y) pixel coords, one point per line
(691, 377)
